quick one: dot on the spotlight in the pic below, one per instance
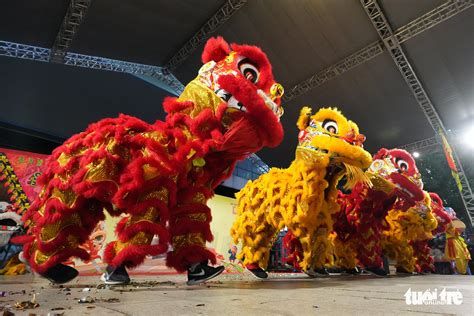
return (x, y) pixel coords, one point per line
(468, 137)
(416, 154)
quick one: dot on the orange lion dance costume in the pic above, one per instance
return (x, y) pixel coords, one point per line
(159, 175)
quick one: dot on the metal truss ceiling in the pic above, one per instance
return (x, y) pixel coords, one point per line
(72, 20)
(72, 59)
(429, 145)
(393, 46)
(219, 18)
(404, 33)
(258, 163)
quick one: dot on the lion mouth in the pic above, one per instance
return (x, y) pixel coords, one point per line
(233, 102)
(406, 186)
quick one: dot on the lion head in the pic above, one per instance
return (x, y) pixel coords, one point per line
(236, 85)
(442, 217)
(329, 136)
(398, 167)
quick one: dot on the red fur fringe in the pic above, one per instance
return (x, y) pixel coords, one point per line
(59, 258)
(186, 256)
(132, 255)
(257, 56)
(216, 49)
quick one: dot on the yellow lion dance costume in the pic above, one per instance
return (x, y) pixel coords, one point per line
(406, 240)
(303, 196)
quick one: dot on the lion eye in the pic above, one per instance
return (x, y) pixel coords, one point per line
(330, 126)
(249, 71)
(402, 164)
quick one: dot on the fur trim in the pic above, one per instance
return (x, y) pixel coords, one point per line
(133, 255)
(59, 258)
(186, 256)
(216, 49)
(257, 56)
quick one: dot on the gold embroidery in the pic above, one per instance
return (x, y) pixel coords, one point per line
(149, 172)
(63, 159)
(51, 231)
(198, 217)
(380, 184)
(101, 170)
(156, 136)
(188, 240)
(140, 239)
(199, 198)
(40, 257)
(161, 194)
(65, 176)
(67, 197)
(202, 97)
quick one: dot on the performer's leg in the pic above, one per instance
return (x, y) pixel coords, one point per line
(346, 254)
(405, 258)
(60, 226)
(293, 250)
(370, 251)
(135, 233)
(256, 243)
(190, 229)
(424, 260)
(321, 252)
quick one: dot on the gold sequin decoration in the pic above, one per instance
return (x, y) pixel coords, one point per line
(156, 136)
(201, 96)
(199, 198)
(67, 197)
(198, 217)
(101, 170)
(138, 240)
(161, 194)
(151, 215)
(49, 232)
(188, 240)
(63, 159)
(380, 184)
(149, 172)
(40, 257)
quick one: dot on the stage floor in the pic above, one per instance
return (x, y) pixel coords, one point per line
(237, 294)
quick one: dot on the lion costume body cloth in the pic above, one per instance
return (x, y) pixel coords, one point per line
(406, 240)
(409, 229)
(361, 221)
(159, 176)
(303, 196)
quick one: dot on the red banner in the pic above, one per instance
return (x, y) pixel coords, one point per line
(27, 167)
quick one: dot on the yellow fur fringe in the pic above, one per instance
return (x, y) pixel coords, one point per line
(355, 175)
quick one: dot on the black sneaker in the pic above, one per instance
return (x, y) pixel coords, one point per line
(60, 274)
(401, 270)
(321, 271)
(354, 271)
(201, 272)
(313, 273)
(118, 275)
(258, 272)
(376, 270)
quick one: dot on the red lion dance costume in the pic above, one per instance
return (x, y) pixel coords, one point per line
(159, 175)
(361, 220)
(442, 217)
(409, 230)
